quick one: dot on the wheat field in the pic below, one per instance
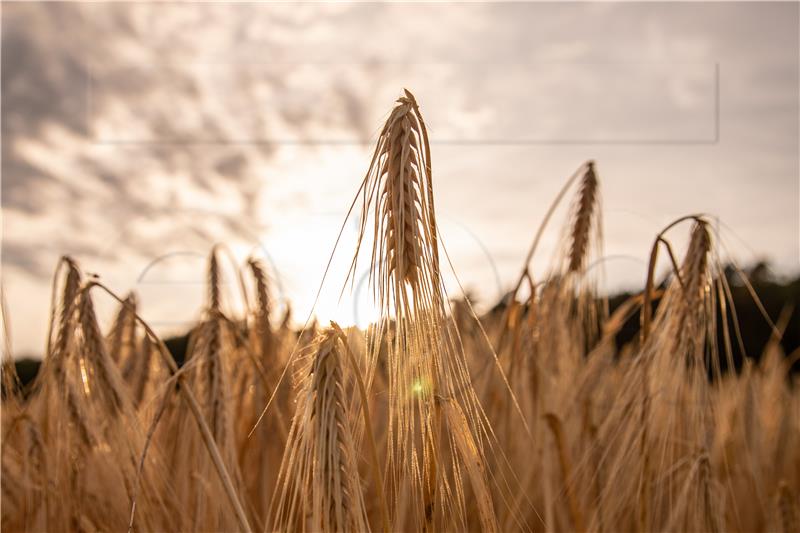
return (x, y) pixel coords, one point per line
(526, 418)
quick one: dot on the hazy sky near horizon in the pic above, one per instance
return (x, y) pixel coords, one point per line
(136, 135)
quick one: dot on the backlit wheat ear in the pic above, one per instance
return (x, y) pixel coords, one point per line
(339, 506)
(398, 190)
(424, 360)
(583, 219)
(108, 385)
(57, 349)
(262, 291)
(319, 472)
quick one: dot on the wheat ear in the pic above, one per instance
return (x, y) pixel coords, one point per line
(583, 219)
(339, 508)
(319, 479)
(398, 188)
(695, 279)
(109, 386)
(263, 326)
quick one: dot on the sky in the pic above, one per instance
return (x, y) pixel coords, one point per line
(137, 135)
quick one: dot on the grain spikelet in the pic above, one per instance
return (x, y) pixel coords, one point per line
(583, 219)
(709, 511)
(263, 329)
(319, 476)
(398, 190)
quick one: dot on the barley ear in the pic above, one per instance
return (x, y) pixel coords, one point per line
(398, 190)
(583, 219)
(338, 506)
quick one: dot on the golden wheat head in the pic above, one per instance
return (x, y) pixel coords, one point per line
(398, 193)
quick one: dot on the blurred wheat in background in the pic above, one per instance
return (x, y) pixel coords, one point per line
(529, 417)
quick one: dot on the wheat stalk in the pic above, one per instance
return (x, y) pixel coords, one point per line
(474, 463)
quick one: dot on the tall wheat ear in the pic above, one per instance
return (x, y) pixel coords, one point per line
(416, 342)
(398, 191)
